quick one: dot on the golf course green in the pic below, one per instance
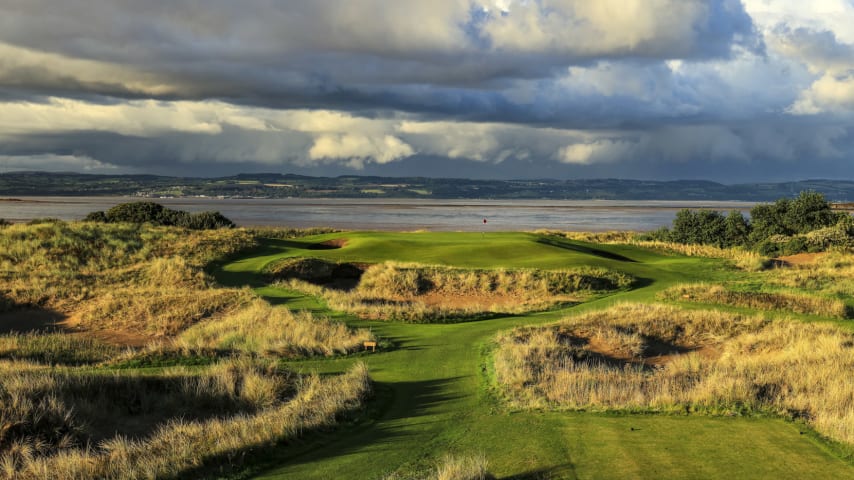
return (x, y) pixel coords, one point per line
(435, 394)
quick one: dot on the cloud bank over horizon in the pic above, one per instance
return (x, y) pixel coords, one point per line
(725, 90)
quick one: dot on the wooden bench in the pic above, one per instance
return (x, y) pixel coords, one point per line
(371, 345)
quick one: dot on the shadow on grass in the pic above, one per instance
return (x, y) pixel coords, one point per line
(266, 247)
(377, 429)
(562, 471)
(567, 245)
(24, 319)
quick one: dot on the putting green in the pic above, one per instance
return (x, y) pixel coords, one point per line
(434, 394)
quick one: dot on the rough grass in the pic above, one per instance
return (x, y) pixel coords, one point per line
(391, 279)
(60, 265)
(832, 274)
(742, 259)
(472, 467)
(157, 311)
(790, 302)
(183, 445)
(397, 291)
(450, 467)
(719, 363)
(55, 348)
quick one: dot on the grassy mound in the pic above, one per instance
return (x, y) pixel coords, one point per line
(831, 274)
(59, 265)
(261, 328)
(788, 302)
(664, 359)
(421, 293)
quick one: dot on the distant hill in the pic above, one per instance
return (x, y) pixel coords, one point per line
(274, 185)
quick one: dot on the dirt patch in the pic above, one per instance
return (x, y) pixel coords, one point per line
(799, 259)
(118, 338)
(656, 354)
(31, 320)
(35, 320)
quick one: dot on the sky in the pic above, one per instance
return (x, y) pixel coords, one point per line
(723, 90)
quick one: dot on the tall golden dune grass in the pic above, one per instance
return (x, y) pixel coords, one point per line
(55, 348)
(689, 361)
(46, 411)
(739, 257)
(157, 311)
(59, 265)
(182, 446)
(783, 301)
(422, 293)
(391, 279)
(612, 236)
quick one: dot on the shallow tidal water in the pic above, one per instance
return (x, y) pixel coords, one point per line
(393, 214)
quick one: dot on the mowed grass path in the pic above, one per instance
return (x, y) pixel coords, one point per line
(434, 394)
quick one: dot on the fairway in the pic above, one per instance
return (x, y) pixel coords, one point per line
(435, 393)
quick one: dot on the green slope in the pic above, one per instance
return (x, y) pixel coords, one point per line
(434, 394)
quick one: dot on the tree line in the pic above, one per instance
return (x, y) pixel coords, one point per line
(788, 226)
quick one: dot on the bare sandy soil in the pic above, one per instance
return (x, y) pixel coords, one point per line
(656, 354)
(800, 259)
(33, 320)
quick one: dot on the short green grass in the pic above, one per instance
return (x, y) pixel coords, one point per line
(435, 394)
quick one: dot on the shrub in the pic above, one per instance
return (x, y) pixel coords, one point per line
(768, 248)
(45, 220)
(204, 221)
(98, 216)
(156, 214)
(797, 244)
(783, 222)
(139, 212)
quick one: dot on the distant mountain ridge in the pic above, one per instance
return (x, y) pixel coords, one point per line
(275, 185)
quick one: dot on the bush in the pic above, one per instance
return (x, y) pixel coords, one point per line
(40, 221)
(786, 226)
(806, 213)
(156, 214)
(4, 222)
(139, 212)
(204, 221)
(795, 245)
(98, 216)
(768, 248)
(662, 234)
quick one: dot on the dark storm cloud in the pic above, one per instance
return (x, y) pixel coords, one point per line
(356, 53)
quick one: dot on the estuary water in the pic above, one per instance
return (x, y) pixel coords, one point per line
(393, 214)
